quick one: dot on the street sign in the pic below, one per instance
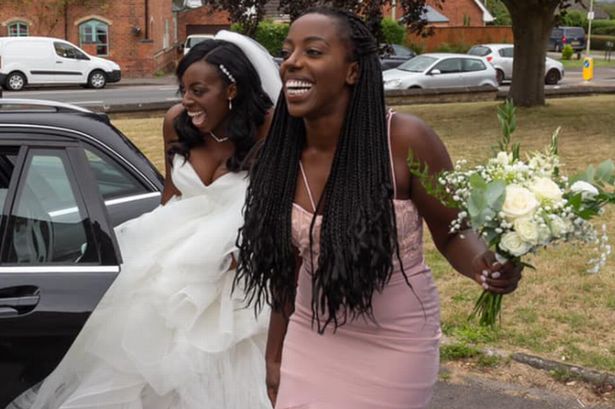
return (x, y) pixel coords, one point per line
(590, 15)
(588, 69)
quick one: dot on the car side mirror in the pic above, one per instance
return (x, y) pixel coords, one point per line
(435, 72)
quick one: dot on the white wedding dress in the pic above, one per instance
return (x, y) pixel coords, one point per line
(169, 333)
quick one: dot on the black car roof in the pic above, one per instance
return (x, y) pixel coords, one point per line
(76, 122)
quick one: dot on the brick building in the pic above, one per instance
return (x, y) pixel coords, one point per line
(139, 35)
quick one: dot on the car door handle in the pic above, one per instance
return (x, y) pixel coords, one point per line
(20, 302)
(58, 62)
(13, 305)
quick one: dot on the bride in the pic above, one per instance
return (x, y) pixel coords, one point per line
(171, 332)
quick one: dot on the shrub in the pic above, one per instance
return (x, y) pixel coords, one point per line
(416, 47)
(453, 48)
(574, 18)
(567, 52)
(599, 42)
(603, 27)
(269, 34)
(394, 33)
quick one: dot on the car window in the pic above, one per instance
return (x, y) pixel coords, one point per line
(417, 64)
(473, 64)
(479, 50)
(113, 180)
(449, 66)
(556, 33)
(7, 164)
(192, 41)
(402, 51)
(67, 51)
(48, 224)
(507, 52)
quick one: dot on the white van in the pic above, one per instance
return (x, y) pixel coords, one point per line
(51, 61)
(194, 39)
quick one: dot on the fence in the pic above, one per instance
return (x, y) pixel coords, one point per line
(461, 37)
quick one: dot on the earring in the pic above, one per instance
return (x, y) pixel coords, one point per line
(230, 104)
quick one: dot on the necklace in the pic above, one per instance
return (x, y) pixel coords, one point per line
(219, 140)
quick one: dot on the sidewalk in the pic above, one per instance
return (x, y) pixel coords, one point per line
(168, 79)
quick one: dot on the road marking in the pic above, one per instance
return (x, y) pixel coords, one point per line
(173, 99)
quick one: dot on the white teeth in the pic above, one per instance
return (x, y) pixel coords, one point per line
(193, 114)
(298, 84)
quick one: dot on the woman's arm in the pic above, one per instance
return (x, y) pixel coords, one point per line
(168, 132)
(465, 251)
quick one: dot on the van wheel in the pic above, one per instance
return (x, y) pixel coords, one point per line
(552, 77)
(499, 76)
(15, 81)
(97, 79)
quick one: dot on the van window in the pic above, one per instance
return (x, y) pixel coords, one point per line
(575, 32)
(68, 51)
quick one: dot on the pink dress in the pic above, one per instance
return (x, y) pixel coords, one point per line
(390, 364)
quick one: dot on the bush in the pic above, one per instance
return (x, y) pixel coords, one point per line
(394, 33)
(574, 18)
(418, 48)
(453, 48)
(269, 34)
(599, 42)
(603, 27)
(567, 52)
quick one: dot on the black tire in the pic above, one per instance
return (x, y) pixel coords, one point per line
(414, 87)
(499, 76)
(97, 79)
(15, 81)
(552, 77)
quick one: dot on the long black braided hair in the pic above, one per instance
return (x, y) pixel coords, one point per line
(358, 236)
(250, 105)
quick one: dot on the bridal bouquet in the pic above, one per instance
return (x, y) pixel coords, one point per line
(521, 205)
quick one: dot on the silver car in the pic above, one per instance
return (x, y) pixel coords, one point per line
(441, 70)
(501, 57)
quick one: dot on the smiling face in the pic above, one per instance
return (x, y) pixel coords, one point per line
(205, 96)
(317, 72)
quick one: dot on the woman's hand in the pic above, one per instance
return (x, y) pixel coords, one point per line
(273, 381)
(494, 276)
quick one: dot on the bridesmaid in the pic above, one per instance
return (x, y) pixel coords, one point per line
(333, 232)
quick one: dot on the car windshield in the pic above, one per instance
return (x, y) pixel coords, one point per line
(575, 31)
(417, 64)
(192, 41)
(479, 50)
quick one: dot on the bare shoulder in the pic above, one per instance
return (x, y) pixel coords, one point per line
(410, 133)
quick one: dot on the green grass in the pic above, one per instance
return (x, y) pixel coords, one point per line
(559, 310)
(599, 61)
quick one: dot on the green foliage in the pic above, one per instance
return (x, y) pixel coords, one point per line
(461, 48)
(603, 27)
(574, 18)
(567, 52)
(599, 42)
(609, 8)
(394, 33)
(416, 47)
(508, 124)
(499, 11)
(458, 351)
(269, 34)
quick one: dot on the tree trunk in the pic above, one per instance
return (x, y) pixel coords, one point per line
(532, 22)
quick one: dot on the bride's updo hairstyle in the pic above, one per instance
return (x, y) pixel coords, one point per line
(250, 105)
(358, 239)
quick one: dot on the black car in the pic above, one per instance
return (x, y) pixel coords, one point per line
(393, 55)
(573, 36)
(68, 177)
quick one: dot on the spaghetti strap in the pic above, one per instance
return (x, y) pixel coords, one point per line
(389, 117)
(307, 187)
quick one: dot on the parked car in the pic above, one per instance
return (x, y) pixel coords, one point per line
(392, 55)
(68, 177)
(441, 70)
(501, 57)
(194, 39)
(574, 36)
(51, 61)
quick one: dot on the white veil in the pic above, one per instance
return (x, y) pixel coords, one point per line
(261, 60)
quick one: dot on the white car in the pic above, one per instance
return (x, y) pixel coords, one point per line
(501, 57)
(440, 70)
(194, 39)
(51, 61)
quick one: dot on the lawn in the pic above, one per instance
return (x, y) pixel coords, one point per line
(560, 311)
(599, 61)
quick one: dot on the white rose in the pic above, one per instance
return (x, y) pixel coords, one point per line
(546, 189)
(512, 243)
(559, 227)
(544, 234)
(502, 158)
(587, 190)
(527, 230)
(519, 202)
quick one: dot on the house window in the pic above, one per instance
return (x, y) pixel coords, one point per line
(96, 33)
(18, 29)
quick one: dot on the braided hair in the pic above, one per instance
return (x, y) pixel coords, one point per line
(358, 236)
(250, 105)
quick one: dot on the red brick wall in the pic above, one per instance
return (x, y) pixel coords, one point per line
(202, 16)
(136, 55)
(454, 10)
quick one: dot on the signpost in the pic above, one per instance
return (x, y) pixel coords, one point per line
(588, 61)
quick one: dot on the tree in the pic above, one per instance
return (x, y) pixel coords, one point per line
(247, 13)
(532, 21)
